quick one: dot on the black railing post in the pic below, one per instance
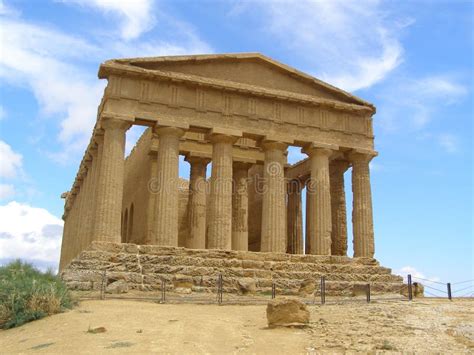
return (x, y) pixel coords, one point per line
(368, 293)
(163, 290)
(410, 290)
(219, 289)
(323, 290)
(273, 290)
(103, 285)
(449, 291)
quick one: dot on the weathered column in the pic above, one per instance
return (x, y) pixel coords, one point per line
(294, 218)
(152, 189)
(240, 207)
(197, 203)
(362, 219)
(274, 198)
(320, 228)
(220, 220)
(338, 207)
(308, 220)
(166, 200)
(107, 225)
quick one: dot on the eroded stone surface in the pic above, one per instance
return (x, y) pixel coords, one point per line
(287, 312)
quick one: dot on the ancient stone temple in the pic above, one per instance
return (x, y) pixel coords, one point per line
(238, 114)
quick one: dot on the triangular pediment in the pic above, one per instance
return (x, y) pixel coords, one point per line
(246, 68)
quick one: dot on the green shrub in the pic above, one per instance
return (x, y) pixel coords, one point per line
(27, 294)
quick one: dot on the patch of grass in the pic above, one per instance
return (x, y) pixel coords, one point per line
(387, 346)
(27, 294)
(96, 330)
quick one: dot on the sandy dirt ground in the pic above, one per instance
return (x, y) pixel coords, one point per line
(428, 326)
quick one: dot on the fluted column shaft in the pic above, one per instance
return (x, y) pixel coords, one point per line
(166, 201)
(240, 207)
(295, 218)
(319, 187)
(109, 197)
(220, 221)
(197, 203)
(338, 207)
(152, 189)
(274, 199)
(362, 219)
(309, 218)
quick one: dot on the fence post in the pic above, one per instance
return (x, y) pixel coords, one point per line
(219, 289)
(323, 290)
(273, 290)
(163, 290)
(103, 285)
(368, 293)
(410, 290)
(449, 291)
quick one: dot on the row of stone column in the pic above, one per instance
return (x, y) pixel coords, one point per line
(96, 211)
(326, 221)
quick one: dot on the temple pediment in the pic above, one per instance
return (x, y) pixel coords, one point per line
(246, 68)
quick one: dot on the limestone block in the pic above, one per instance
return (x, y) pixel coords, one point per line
(247, 285)
(307, 287)
(287, 312)
(117, 287)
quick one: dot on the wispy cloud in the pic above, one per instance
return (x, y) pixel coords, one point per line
(449, 142)
(350, 44)
(56, 67)
(412, 103)
(10, 162)
(136, 17)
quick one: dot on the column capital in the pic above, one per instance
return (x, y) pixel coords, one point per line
(114, 123)
(361, 155)
(196, 159)
(320, 149)
(338, 166)
(274, 145)
(168, 131)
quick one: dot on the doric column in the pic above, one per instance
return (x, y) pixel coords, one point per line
(319, 187)
(220, 221)
(240, 207)
(338, 207)
(308, 220)
(166, 194)
(152, 189)
(295, 218)
(110, 190)
(274, 198)
(362, 219)
(197, 203)
(99, 140)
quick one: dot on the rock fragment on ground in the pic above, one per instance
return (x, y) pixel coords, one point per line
(287, 313)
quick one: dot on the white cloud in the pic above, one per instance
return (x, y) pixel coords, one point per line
(30, 233)
(136, 15)
(60, 69)
(6, 191)
(449, 142)
(350, 44)
(10, 162)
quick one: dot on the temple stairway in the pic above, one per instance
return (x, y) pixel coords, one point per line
(144, 266)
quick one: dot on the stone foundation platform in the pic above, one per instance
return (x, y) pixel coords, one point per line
(143, 267)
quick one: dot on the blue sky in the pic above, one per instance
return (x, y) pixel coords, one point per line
(412, 59)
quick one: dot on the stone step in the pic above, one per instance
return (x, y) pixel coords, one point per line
(144, 268)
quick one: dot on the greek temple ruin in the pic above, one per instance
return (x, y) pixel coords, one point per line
(236, 114)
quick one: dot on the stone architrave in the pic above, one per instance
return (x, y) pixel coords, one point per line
(166, 202)
(197, 203)
(362, 219)
(274, 198)
(110, 190)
